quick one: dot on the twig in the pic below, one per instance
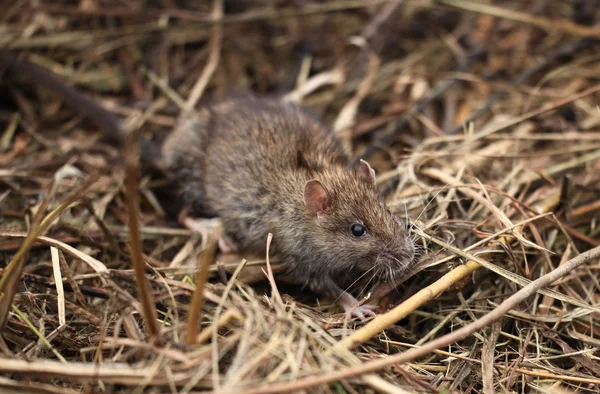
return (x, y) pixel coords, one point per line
(12, 273)
(215, 325)
(509, 275)
(537, 21)
(225, 318)
(571, 46)
(333, 77)
(252, 16)
(206, 258)
(213, 57)
(387, 137)
(143, 285)
(276, 296)
(111, 125)
(60, 292)
(37, 332)
(118, 373)
(383, 321)
(19, 386)
(458, 335)
(487, 358)
(347, 115)
(95, 264)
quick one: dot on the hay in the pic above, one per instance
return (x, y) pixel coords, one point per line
(481, 121)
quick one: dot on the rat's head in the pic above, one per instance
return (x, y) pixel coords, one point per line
(352, 229)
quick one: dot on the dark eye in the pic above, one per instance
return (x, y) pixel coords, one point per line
(358, 230)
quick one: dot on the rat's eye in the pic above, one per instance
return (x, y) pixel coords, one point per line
(358, 230)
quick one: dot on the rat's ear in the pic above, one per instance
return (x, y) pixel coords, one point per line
(315, 196)
(365, 171)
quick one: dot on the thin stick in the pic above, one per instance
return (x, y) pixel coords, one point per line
(195, 314)
(564, 26)
(201, 18)
(60, 292)
(443, 86)
(143, 285)
(569, 47)
(274, 289)
(448, 339)
(37, 332)
(536, 112)
(225, 318)
(215, 325)
(118, 373)
(386, 320)
(12, 272)
(95, 264)
(213, 57)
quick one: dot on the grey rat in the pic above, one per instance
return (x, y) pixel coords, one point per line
(266, 166)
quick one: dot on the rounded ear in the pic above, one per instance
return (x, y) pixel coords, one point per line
(365, 171)
(315, 196)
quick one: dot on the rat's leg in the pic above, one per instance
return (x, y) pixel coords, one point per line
(213, 226)
(347, 301)
(227, 244)
(327, 287)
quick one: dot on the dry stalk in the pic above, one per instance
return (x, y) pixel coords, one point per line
(381, 322)
(528, 124)
(12, 273)
(544, 23)
(195, 314)
(386, 320)
(346, 118)
(143, 285)
(463, 332)
(59, 286)
(213, 57)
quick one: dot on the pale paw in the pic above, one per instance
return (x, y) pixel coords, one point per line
(205, 227)
(227, 245)
(362, 311)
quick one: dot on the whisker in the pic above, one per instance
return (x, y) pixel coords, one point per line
(392, 274)
(366, 286)
(406, 215)
(359, 278)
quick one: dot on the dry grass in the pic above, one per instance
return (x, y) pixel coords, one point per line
(480, 118)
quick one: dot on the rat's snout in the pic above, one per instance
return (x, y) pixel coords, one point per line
(400, 255)
(405, 254)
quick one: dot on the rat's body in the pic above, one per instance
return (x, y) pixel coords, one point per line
(265, 166)
(249, 161)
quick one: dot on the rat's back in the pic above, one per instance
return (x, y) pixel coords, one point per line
(240, 157)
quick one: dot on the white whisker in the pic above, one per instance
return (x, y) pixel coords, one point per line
(430, 201)
(406, 216)
(359, 278)
(366, 286)
(392, 274)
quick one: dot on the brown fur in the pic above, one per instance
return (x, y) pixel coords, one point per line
(248, 162)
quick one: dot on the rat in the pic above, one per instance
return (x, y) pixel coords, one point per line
(262, 165)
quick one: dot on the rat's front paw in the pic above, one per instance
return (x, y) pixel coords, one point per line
(348, 302)
(213, 226)
(227, 245)
(361, 311)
